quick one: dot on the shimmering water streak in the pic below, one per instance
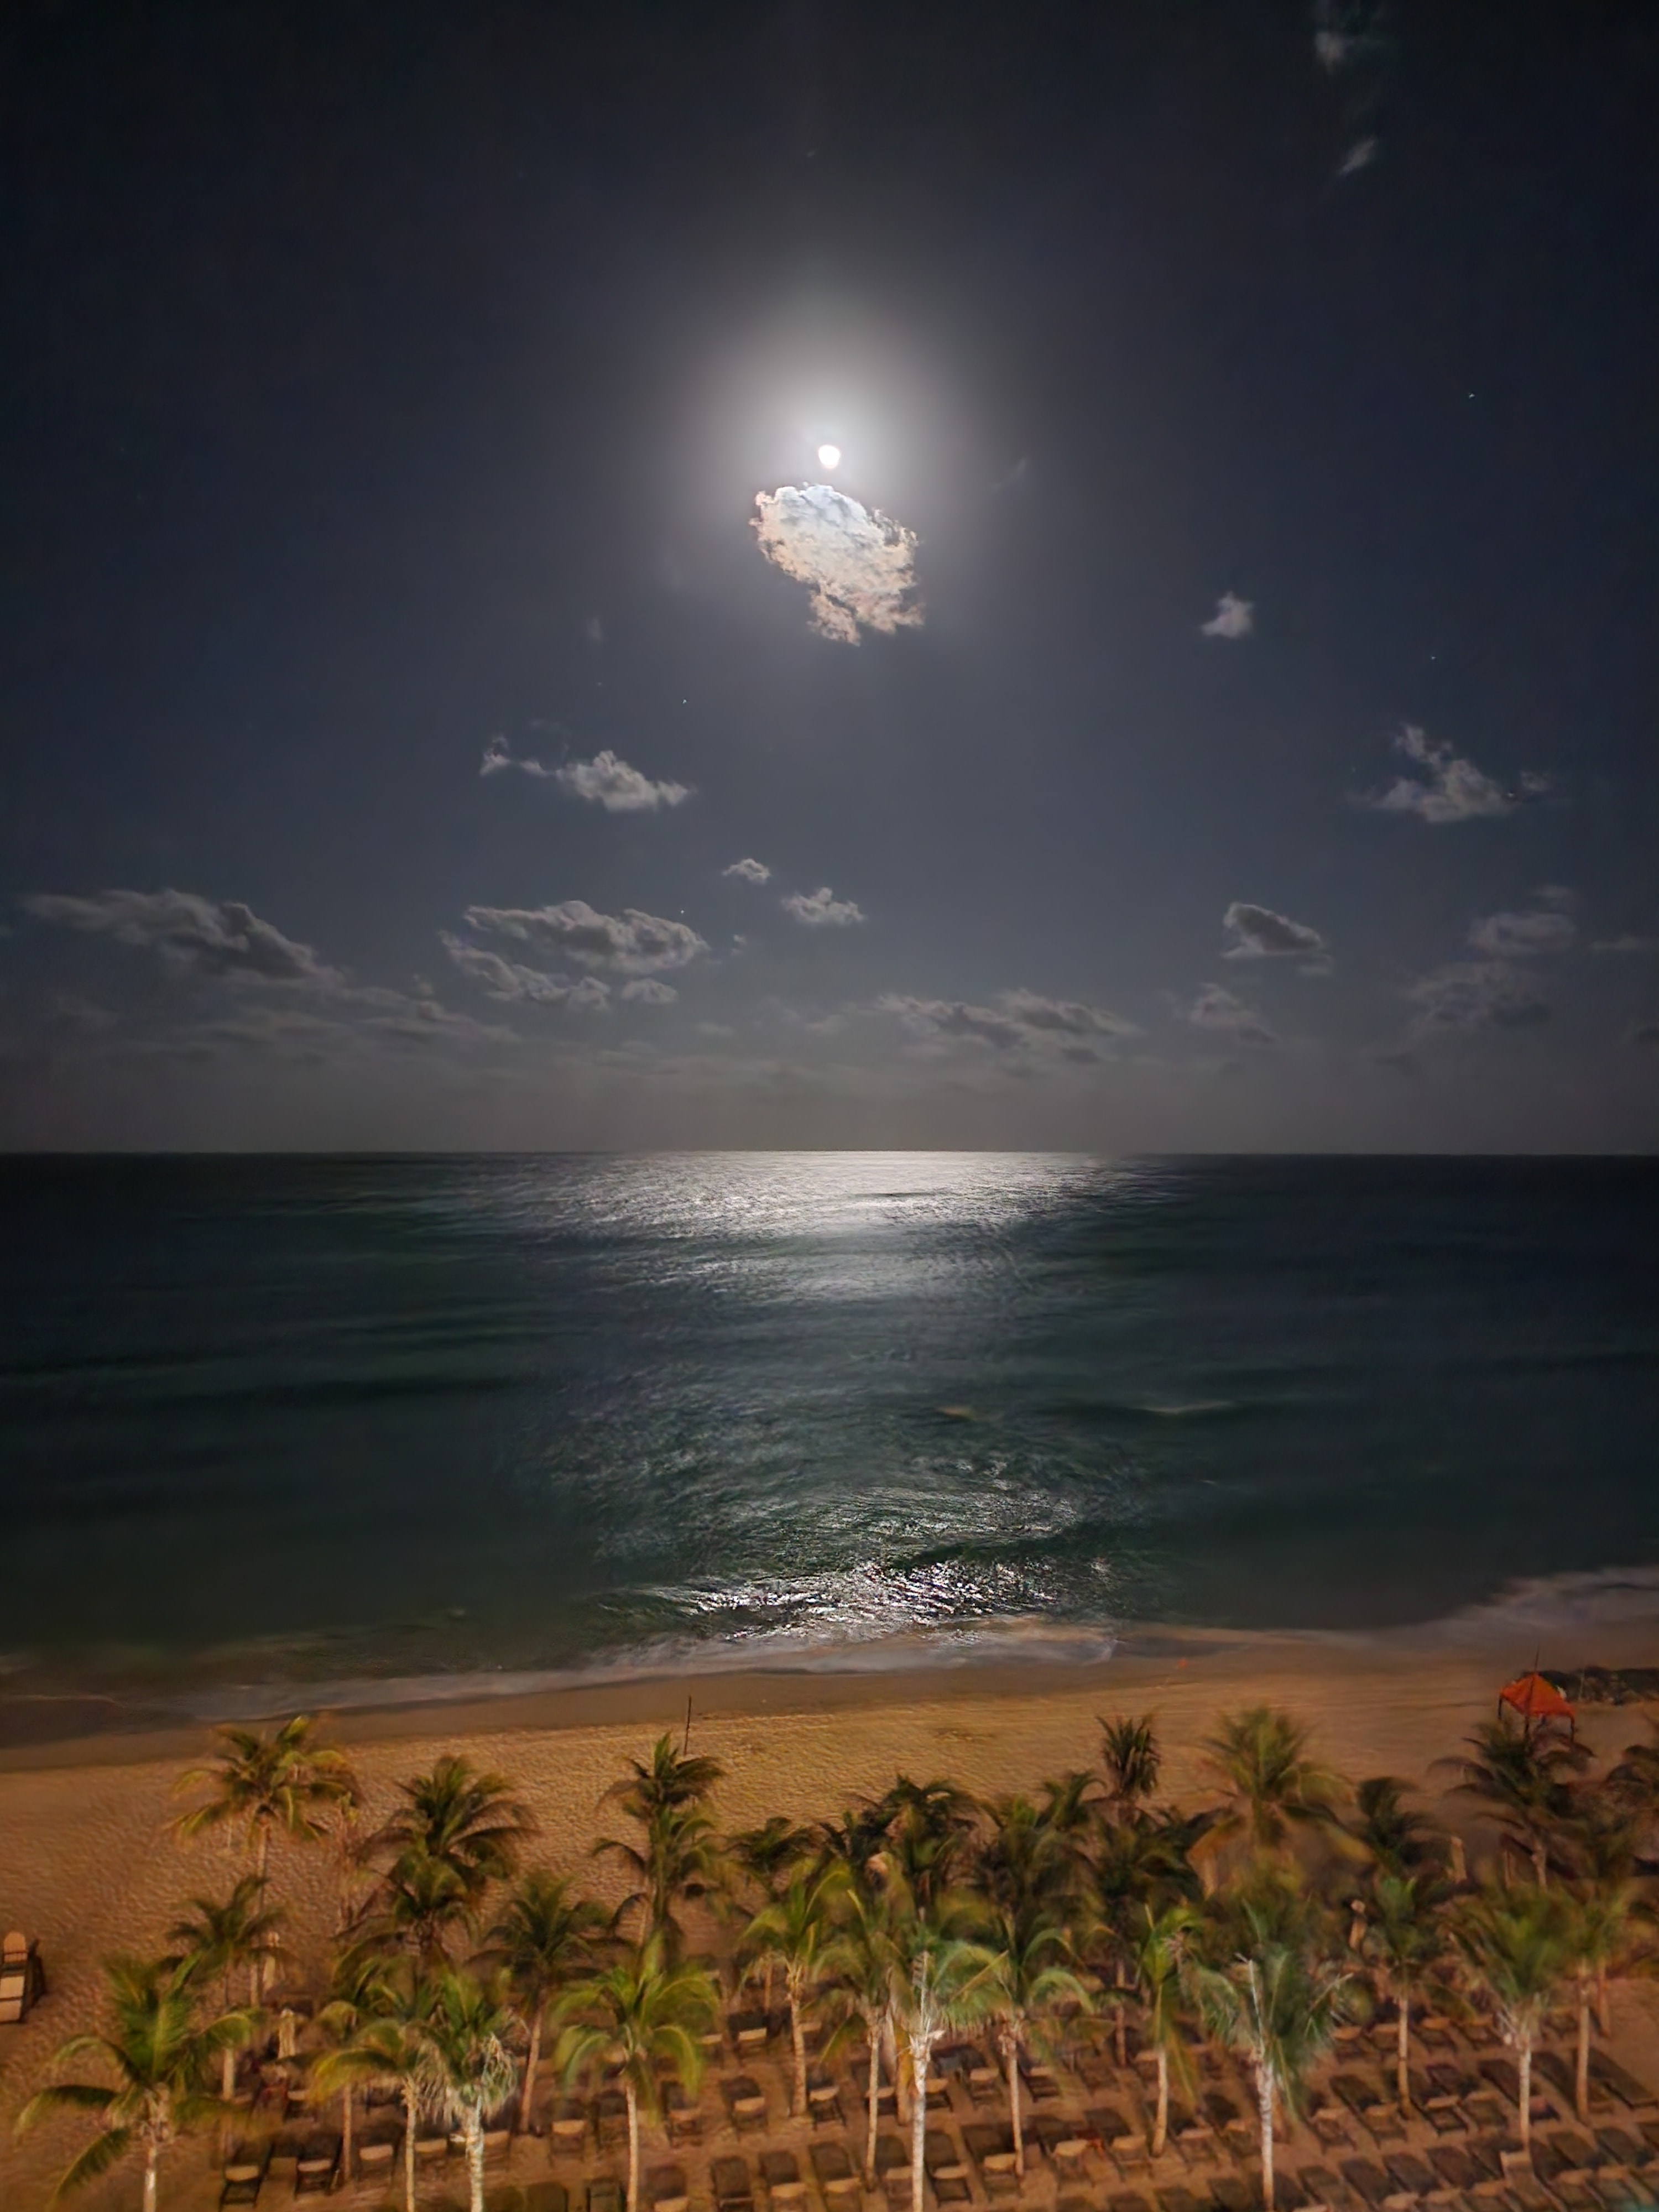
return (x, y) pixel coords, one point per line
(465, 1412)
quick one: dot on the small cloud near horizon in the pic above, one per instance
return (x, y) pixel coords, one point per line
(821, 909)
(749, 871)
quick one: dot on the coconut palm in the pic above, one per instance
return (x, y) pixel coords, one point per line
(240, 1932)
(1026, 1859)
(638, 2015)
(468, 2029)
(1070, 1805)
(1600, 1843)
(1520, 1774)
(765, 1857)
(161, 2052)
(1132, 1759)
(1602, 1932)
(856, 1841)
(1634, 1782)
(860, 1963)
(470, 1822)
(543, 1938)
(677, 1861)
(1397, 1840)
(1278, 2009)
(1139, 1864)
(937, 1983)
(360, 1987)
(796, 1932)
(664, 1782)
(1027, 1953)
(1516, 1947)
(1160, 1959)
(261, 1782)
(1407, 1941)
(420, 1905)
(1271, 1787)
(385, 2048)
(929, 1827)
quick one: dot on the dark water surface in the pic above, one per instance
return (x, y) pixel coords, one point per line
(379, 1415)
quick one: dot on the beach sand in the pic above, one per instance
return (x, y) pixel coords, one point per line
(88, 1868)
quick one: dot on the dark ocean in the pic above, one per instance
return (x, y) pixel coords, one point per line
(336, 1418)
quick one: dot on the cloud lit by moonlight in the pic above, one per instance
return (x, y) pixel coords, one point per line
(859, 562)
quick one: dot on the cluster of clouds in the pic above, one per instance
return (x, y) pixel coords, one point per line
(1450, 788)
(208, 936)
(858, 564)
(1497, 988)
(1018, 1023)
(605, 781)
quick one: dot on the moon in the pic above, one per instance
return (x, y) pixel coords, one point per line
(830, 457)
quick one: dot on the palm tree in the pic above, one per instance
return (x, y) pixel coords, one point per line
(856, 1840)
(418, 1902)
(161, 2052)
(360, 1987)
(929, 1825)
(1027, 1858)
(261, 1783)
(1278, 2009)
(1517, 1949)
(1140, 1864)
(1132, 1759)
(861, 1961)
(466, 2064)
(762, 1858)
(543, 1938)
(1520, 1774)
(384, 2049)
(796, 1932)
(1160, 1960)
(1397, 1840)
(1406, 1943)
(469, 1822)
(642, 2012)
(1601, 1931)
(1271, 1787)
(937, 1983)
(679, 1860)
(1026, 1949)
(664, 1784)
(1600, 1841)
(240, 1932)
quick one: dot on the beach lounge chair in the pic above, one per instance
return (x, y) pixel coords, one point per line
(1635, 2095)
(838, 2181)
(728, 2178)
(745, 2104)
(1628, 2150)
(682, 2115)
(245, 2173)
(983, 2082)
(824, 2103)
(1041, 2084)
(1178, 2200)
(1127, 2200)
(610, 2118)
(665, 2189)
(546, 2197)
(375, 2156)
(1368, 2182)
(749, 2031)
(604, 2194)
(1325, 2191)
(1408, 2174)
(567, 2126)
(893, 2170)
(22, 1977)
(780, 2173)
(947, 2168)
(317, 2166)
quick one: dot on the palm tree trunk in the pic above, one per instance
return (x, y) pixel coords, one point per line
(1403, 2058)
(1581, 2084)
(920, 2054)
(262, 1854)
(1540, 1865)
(1264, 2104)
(899, 2075)
(798, 2037)
(1016, 2117)
(347, 2103)
(526, 2095)
(633, 2147)
(874, 2101)
(1161, 2123)
(475, 2157)
(150, 2154)
(1603, 2001)
(1524, 2116)
(408, 2147)
(1119, 2023)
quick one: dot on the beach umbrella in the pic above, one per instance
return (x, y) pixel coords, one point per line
(1536, 1698)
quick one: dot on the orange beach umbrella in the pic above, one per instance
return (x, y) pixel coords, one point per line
(1536, 1699)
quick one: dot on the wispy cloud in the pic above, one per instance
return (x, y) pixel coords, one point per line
(1218, 1011)
(1643, 1035)
(1522, 936)
(1452, 789)
(1359, 155)
(647, 990)
(1018, 1022)
(749, 871)
(821, 909)
(210, 937)
(1259, 934)
(859, 563)
(1233, 617)
(1474, 994)
(509, 980)
(1637, 948)
(605, 780)
(631, 942)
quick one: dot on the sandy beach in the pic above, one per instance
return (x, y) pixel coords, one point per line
(88, 1868)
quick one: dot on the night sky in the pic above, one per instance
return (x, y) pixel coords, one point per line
(1209, 703)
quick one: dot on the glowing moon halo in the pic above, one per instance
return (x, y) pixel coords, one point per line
(830, 457)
